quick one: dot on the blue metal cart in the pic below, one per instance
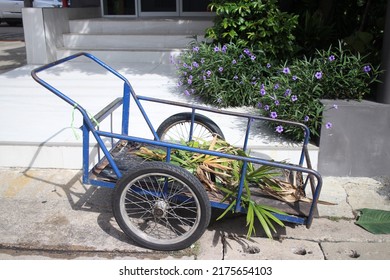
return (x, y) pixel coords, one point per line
(160, 205)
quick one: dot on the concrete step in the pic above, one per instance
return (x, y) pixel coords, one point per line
(195, 26)
(151, 40)
(127, 42)
(157, 56)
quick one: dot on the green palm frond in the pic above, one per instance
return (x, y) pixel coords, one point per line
(222, 175)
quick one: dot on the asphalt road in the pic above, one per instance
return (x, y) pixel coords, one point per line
(10, 33)
(12, 47)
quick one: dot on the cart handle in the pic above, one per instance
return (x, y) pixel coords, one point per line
(74, 104)
(127, 91)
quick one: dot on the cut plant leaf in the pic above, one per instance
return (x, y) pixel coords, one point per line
(221, 176)
(374, 221)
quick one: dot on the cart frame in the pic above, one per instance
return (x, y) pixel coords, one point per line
(90, 127)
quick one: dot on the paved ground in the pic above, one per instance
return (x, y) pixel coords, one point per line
(48, 213)
(12, 48)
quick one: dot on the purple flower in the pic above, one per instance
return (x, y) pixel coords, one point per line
(259, 105)
(268, 65)
(331, 58)
(189, 81)
(208, 73)
(220, 69)
(202, 60)
(367, 68)
(294, 78)
(253, 57)
(286, 70)
(224, 48)
(195, 49)
(318, 75)
(276, 86)
(235, 77)
(287, 92)
(186, 92)
(328, 125)
(306, 119)
(262, 91)
(216, 49)
(294, 98)
(247, 52)
(195, 64)
(204, 78)
(274, 115)
(266, 107)
(277, 103)
(180, 83)
(279, 129)
(234, 61)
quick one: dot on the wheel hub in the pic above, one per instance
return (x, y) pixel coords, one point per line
(160, 209)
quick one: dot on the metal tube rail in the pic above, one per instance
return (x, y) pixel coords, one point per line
(88, 127)
(236, 114)
(288, 166)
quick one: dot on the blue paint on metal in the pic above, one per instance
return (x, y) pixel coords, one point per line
(126, 109)
(101, 183)
(85, 153)
(128, 93)
(290, 219)
(241, 185)
(248, 127)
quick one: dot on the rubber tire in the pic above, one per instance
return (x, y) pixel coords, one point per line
(172, 171)
(186, 117)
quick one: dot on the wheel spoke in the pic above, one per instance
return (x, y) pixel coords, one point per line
(143, 196)
(181, 131)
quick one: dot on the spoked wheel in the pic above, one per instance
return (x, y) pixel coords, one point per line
(177, 128)
(161, 206)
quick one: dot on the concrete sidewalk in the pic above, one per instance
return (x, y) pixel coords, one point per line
(49, 213)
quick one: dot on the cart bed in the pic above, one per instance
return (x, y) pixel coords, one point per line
(124, 154)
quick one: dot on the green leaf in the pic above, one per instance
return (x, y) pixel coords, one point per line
(250, 220)
(227, 210)
(263, 222)
(272, 217)
(374, 221)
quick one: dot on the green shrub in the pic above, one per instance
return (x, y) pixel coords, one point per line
(230, 76)
(254, 23)
(294, 91)
(222, 75)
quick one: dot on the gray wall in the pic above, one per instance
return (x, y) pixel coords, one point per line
(358, 144)
(43, 29)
